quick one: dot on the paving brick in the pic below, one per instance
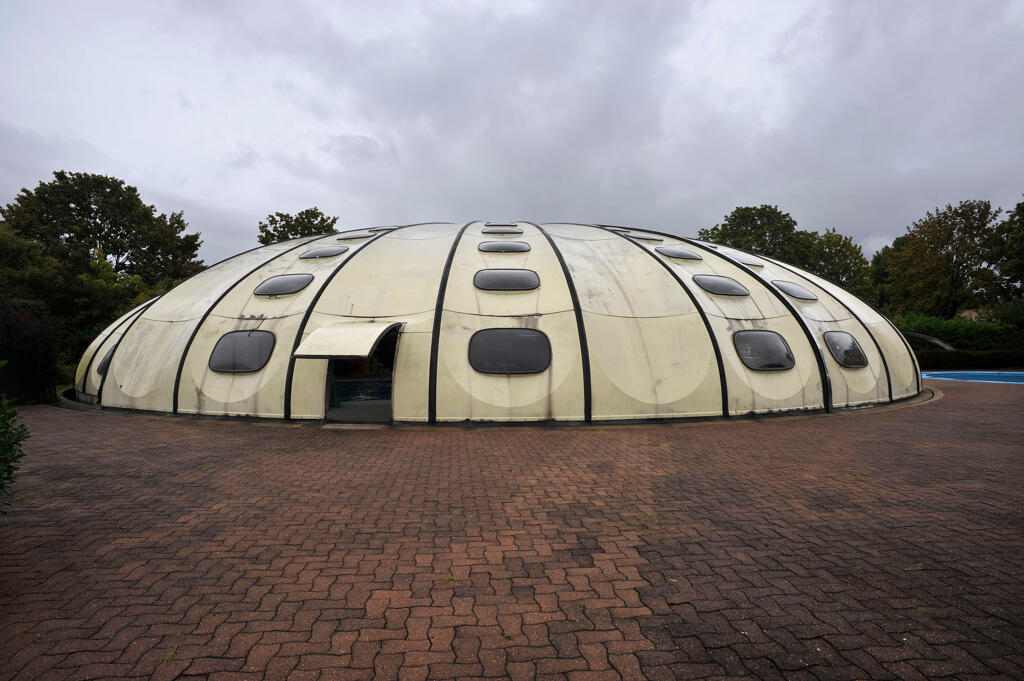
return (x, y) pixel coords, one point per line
(881, 543)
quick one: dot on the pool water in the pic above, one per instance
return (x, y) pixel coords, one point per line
(977, 376)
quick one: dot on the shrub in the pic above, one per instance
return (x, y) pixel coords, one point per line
(12, 434)
(967, 360)
(963, 334)
(30, 343)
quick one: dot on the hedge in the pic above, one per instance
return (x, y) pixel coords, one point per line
(963, 334)
(967, 360)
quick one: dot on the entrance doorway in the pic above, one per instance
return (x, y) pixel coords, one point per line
(359, 388)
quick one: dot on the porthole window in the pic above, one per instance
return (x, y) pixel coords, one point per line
(763, 350)
(747, 260)
(241, 352)
(678, 253)
(504, 246)
(509, 351)
(506, 280)
(501, 224)
(362, 234)
(793, 289)
(845, 349)
(723, 286)
(283, 284)
(105, 362)
(323, 252)
(501, 230)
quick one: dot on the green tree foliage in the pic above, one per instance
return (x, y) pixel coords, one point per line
(770, 232)
(284, 226)
(1008, 255)
(79, 251)
(945, 262)
(79, 214)
(760, 229)
(12, 434)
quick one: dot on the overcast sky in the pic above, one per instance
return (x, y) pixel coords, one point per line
(857, 115)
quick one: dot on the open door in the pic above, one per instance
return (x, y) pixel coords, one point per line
(360, 370)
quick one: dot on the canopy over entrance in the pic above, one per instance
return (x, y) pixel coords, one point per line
(352, 339)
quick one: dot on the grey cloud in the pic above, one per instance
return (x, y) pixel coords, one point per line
(860, 116)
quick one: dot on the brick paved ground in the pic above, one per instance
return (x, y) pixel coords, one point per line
(881, 544)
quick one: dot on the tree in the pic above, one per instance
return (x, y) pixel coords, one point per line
(837, 258)
(79, 251)
(284, 226)
(770, 232)
(78, 214)
(1008, 253)
(762, 229)
(944, 263)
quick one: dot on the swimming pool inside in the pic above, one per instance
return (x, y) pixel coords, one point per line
(977, 376)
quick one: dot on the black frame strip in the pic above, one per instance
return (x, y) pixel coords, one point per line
(312, 304)
(209, 310)
(826, 381)
(88, 367)
(99, 394)
(693, 299)
(796, 272)
(581, 327)
(103, 379)
(435, 339)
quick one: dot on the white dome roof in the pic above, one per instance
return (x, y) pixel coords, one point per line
(501, 321)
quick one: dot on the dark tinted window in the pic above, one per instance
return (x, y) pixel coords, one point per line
(382, 229)
(676, 252)
(323, 252)
(501, 230)
(748, 260)
(504, 246)
(355, 235)
(723, 286)
(794, 289)
(239, 352)
(641, 236)
(105, 362)
(506, 280)
(509, 351)
(845, 349)
(283, 284)
(763, 350)
(501, 224)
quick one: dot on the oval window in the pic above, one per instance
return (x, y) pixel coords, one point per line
(793, 289)
(643, 236)
(283, 284)
(676, 252)
(362, 234)
(241, 352)
(845, 350)
(501, 230)
(763, 350)
(747, 260)
(723, 286)
(323, 252)
(105, 362)
(509, 351)
(504, 246)
(506, 280)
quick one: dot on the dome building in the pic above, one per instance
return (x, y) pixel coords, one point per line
(486, 321)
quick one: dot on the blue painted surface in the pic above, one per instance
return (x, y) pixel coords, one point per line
(977, 376)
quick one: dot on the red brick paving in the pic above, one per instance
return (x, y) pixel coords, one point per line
(879, 544)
